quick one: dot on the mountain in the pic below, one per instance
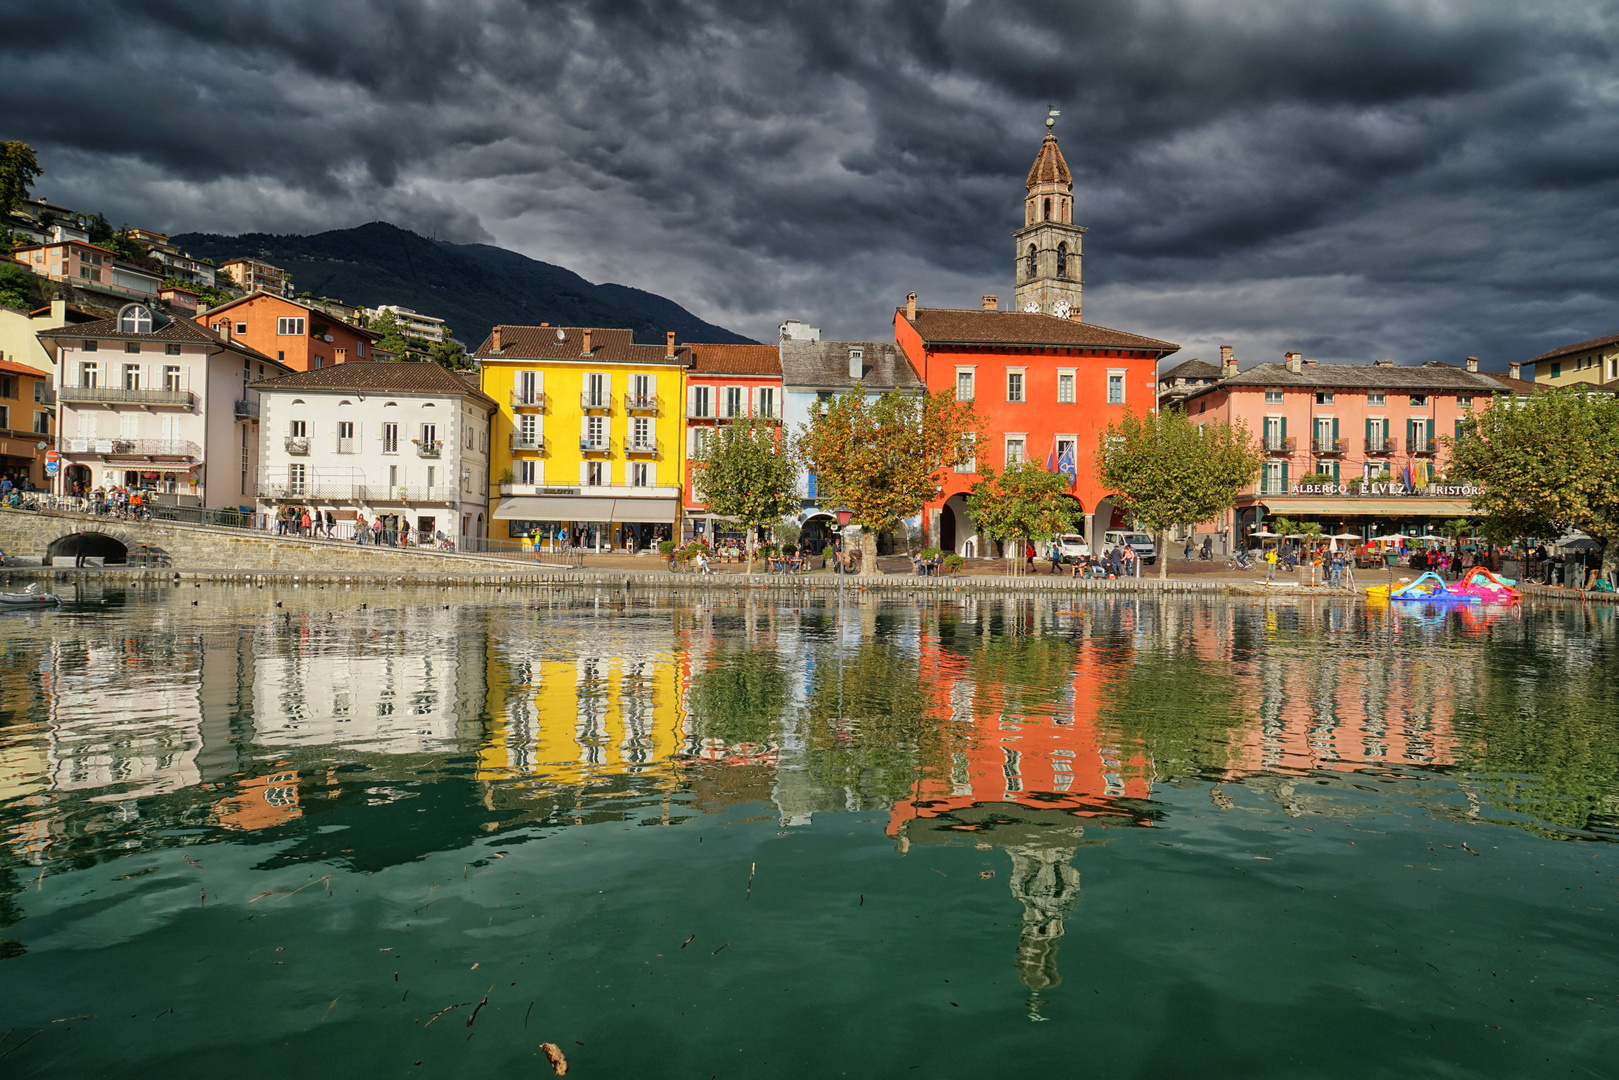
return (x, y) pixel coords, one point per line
(471, 286)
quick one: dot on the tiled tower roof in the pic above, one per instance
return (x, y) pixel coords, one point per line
(1049, 166)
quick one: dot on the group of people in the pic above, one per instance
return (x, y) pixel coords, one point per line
(302, 521)
(1334, 566)
(117, 501)
(1119, 562)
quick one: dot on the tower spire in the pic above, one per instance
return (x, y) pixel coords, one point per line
(1048, 246)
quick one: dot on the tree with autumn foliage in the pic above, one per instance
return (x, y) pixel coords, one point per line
(1546, 464)
(747, 473)
(1024, 503)
(1166, 470)
(882, 456)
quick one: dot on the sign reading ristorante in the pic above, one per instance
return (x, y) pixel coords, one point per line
(1364, 489)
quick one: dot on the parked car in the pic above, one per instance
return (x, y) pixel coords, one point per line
(1072, 547)
(1139, 542)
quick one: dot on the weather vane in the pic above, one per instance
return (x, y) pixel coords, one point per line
(1051, 117)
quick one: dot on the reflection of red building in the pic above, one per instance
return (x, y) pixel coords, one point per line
(1054, 758)
(262, 802)
(1043, 381)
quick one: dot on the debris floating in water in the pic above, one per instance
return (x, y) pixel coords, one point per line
(553, 1054)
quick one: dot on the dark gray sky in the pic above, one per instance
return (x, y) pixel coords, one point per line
(1420, 180)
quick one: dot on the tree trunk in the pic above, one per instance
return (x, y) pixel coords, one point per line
(1610, 558)
(868, 553)
(1163, 554)
(747, 546)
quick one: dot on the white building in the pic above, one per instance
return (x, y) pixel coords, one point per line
(411, 323)
(403, 442)
(158, 403)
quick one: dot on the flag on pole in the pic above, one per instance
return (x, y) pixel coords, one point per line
(1068, 466)
(1051, 457)
(1409, 486)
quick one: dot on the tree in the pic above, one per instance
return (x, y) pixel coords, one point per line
(1167, 471)
(1024, 503)
(746, 472)
(22, 289)
(18, 171)
(1546, 465)
(390, 336)
(881, 457)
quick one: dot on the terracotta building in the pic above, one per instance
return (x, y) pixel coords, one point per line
(725, 384)
(296, 334)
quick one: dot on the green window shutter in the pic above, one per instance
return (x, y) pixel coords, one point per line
(1336, 475)
(1368, 433)
(1458, 427)
(1285, 487)
(1410, 434)
(1284, 431)
(1430, 432)
(1334, 431)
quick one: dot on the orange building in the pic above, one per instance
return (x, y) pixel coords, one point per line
(300, 336)
(27, 422)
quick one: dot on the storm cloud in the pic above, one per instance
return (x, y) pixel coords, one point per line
(1421, 180)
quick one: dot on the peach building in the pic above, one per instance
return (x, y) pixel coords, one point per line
(296, 334)
(1354, 447)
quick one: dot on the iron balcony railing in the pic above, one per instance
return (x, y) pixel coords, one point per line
(297, 444)
(1275, 444)
(118, 395)
(520, 400)
(602, 402)
(431, 448)
(697, 412)
(1382, 445)
(641, 402)
(167, 448)
(533, 442)
(641, 446)
(246, 409)
(597, 445)
(1421, 444)
(44, 395)
(1329, 446)
(348, 446)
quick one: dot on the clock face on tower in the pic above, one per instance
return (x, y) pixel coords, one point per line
(1061, 309)
(1032, 307)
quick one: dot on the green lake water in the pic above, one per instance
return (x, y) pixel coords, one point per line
(259, 832)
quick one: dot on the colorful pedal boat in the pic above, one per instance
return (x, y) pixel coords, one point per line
(1430, 588)
(1490, 588)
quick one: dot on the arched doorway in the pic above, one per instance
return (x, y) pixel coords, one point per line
(957, 533)
(816, 532)
(96, 546)
(1101, 522)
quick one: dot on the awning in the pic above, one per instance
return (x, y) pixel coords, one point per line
(1389, 508)
(585, 508)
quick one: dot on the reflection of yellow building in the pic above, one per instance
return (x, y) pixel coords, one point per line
(571, 722)
(589, 437)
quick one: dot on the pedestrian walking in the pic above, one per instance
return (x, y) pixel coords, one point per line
(1270, 565)
(78, 549)
(1028, 555)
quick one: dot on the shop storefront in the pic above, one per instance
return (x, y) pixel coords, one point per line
(569, 522)
(1365, 509)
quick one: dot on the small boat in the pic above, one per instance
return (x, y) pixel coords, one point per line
(1490, 588)
(1430, 588)
(33, 598)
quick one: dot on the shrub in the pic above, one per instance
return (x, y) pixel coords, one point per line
(930, 553)
(789, 549)
(665, 547)
(952, 563)
(828, 553)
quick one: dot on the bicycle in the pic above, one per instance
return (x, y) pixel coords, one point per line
(1241, 561)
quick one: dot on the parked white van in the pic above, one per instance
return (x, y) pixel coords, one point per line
(1139, 542)
(1072, 547)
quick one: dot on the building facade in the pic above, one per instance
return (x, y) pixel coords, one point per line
(95, 270)
(158, 404)
(725, 384)
(411, 323)
(812, 371)
(400, 442)
(1593, 361)
(255, 275)
(588, 443)
(1045, 389)
(27, 423)
(1353, 447)
(299, 335)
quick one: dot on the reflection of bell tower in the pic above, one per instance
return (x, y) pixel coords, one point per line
(1048, 885)
(1048, 246)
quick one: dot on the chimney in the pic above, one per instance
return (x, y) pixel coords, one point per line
(494, 339)
(586, 350)
(1513, 370)
(992, 302)
(1295, 362)
(857, 364)
(669, 339)
(1472, 364)
(224, 330)
(545, 324)
(910, 307)
(1228, 362)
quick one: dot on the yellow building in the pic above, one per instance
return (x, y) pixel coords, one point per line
(587, 446)
(1594, 361)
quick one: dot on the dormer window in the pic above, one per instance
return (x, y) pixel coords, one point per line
(135, 319)
(857, 363)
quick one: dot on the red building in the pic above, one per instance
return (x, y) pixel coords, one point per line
(724, 384)
(1045, 383)
(300, 336)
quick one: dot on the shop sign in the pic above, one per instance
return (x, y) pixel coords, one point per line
(1431, 491)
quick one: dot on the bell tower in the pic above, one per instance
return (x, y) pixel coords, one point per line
(1048, 246)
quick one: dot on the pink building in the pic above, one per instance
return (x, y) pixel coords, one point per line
(1354, 447)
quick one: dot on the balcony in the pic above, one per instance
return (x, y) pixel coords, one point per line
(521, 400)
(591, 445)
(1276, 445)
(1329, 446)
(247, 410)
(297, 444)
(117, 395)
(617, 491)
(532, 443)
(1382, 446)
(596, 402)
(348, 446)
(1422, 446)
(429, 448)
(641, 446)
(698, 413)
(409, 493)
(147, 448)
(314, 490)
(647, 403)
(1270, 486)
(44, 395)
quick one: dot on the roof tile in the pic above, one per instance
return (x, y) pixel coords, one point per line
(402, 378)
(734, 359)
(969, 326)
(824, 365)
(607, 346)
(1577, 347)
